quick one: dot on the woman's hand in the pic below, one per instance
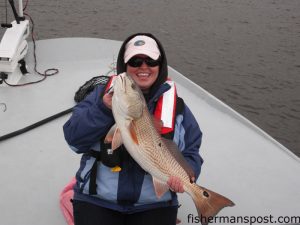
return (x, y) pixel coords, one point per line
(175, 184)
(107, 98)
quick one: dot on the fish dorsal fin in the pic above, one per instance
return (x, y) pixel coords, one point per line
(176, 153)
(117, 140)
(160, 187)
(133, 133)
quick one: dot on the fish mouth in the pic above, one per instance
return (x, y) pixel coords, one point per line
(124, 79)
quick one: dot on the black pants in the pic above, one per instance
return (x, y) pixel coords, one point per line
(89, 214)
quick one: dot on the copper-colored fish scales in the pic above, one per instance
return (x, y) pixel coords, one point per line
(163, 164)
(157, 156)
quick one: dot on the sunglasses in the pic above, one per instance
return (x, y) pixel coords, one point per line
(138, 61)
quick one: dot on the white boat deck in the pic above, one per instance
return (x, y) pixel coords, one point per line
(241, 161)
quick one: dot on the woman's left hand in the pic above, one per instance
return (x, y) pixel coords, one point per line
(175, 184)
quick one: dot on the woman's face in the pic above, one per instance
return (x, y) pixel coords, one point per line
(143, 75)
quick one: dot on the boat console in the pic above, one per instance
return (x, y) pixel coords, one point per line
(13, 47)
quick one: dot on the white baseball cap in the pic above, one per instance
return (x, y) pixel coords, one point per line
(141, 44)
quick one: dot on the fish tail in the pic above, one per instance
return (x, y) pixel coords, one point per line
(208, 203)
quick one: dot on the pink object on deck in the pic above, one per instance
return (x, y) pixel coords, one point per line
(65, 202)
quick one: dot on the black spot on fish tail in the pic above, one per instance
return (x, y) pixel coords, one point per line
(205, 193)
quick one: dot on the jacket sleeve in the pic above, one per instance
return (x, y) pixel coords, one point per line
(89, 122)
(192, 137)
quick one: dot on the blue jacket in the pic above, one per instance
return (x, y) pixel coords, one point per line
(131, 189)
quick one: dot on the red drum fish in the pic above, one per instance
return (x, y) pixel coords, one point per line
(159, 157)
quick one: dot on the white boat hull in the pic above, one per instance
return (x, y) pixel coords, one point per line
(241, 162)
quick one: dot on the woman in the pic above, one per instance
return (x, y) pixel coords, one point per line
(112, 197)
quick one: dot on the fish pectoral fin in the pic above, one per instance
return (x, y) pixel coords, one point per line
(109, 136)
(117, 139)
(160, 187)
(133, 133)
(114, 137)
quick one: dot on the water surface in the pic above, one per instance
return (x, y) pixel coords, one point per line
(246, 53)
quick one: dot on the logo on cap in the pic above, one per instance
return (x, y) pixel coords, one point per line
(139, 43)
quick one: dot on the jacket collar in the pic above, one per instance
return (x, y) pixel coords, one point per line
(160, 91)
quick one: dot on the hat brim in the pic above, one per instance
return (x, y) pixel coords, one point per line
(152, 55)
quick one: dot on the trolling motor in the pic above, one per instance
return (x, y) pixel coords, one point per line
(14, 47)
